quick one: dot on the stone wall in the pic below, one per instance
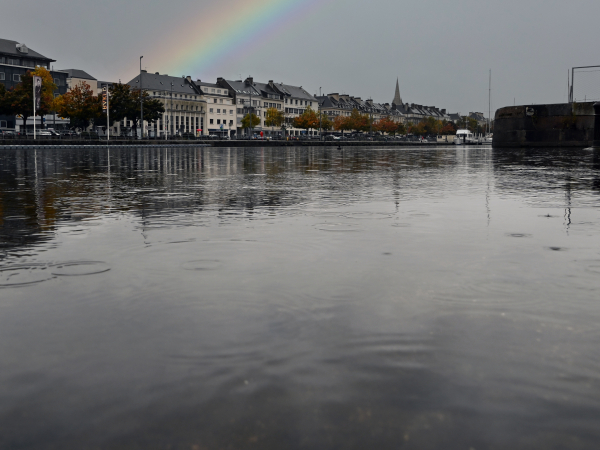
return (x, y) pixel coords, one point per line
(555, 125)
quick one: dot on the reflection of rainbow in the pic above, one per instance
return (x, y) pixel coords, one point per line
(231, 29)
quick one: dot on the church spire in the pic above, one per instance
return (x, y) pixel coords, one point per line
(397, 99)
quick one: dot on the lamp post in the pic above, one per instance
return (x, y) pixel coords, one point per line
(320, 118)
(141, 102)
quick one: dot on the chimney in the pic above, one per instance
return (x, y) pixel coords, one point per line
(443, 111)
(336, 96)
(249, 81)
(189, 79)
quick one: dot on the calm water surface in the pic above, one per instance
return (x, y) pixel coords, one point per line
(293, 298)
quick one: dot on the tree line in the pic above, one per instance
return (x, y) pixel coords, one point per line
(80, 104)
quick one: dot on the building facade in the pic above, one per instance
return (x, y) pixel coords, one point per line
(17, 59)
(183, 100)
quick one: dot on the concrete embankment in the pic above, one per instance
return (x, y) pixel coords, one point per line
(47, 143)
(552, 125)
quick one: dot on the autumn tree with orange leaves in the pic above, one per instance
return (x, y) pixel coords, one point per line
(19, 100)
(79, 105)
(386, 125)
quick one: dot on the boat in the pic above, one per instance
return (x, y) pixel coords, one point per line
(465, 137)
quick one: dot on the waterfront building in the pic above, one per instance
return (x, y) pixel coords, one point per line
(256, 97)
(184, 102)
(221, 110)
(16, 59)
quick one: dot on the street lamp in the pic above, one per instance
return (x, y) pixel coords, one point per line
(141, 102)
(320, 118)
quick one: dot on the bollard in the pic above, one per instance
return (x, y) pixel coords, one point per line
(596, 143)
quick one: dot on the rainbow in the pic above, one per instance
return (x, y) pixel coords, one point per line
(230, 29)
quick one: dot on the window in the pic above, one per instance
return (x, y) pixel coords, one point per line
(17, 77)
(212, 90)
(1, 76)
(239, 110)
(2, 123)
(231, 112)
(286, 101)
(218, 111)
(225, 92)
(218, 91)
(218, 121)
(211, 110)
(1, 59)
(221, 100)
(211, 121)
(215, 100)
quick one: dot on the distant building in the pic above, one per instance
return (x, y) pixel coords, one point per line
(479, 117)
(415, 113)
(342, 105)
(17, 59)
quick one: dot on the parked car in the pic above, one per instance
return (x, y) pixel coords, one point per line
(8, 133)
(38, 133)
(67, 133)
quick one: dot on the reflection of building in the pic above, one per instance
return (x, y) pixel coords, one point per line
(16, 60)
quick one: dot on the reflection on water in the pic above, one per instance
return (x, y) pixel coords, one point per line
(299, 298)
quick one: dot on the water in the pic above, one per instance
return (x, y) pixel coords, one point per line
(293, 298)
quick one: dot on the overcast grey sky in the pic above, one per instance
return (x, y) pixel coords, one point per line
(441, 51)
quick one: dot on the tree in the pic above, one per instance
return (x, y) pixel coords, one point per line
(401, 128)
(325, 122)
(20, 98)
(80, 105)
(386, 125)
(275, 118)
(250, 121)
(124, 102)
(307, 120)
(153, 108)
(342, 123)
(358, 121)
(5, 108)
(448, 128)
(418, 129)
(433, 126)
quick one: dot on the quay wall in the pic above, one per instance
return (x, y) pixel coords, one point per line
(549, 125)
(43, 143)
